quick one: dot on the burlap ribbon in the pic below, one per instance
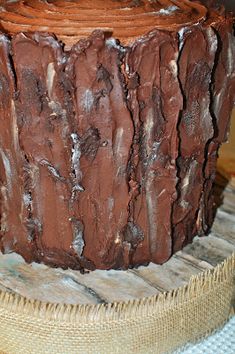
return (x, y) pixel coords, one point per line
(157, 324)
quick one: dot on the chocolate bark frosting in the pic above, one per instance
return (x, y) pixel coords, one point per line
(108, 146)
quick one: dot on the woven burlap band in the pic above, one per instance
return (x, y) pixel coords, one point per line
(158, 324)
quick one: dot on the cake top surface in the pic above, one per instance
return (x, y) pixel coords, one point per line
(123, 19)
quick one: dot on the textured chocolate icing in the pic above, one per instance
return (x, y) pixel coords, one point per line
(73, 20)
(108, 151)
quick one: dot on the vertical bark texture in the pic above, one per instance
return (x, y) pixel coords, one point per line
(108, 153)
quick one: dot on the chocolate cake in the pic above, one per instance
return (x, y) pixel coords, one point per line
(112, 113)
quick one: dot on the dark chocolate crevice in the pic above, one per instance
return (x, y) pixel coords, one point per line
(132, 233)
(211, 152)
(12, 66)
(179, 157)
(222, 101)
(195, 126)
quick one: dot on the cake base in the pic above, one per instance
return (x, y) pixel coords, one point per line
(151, 309)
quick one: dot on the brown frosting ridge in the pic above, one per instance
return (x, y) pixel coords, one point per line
(124, 19)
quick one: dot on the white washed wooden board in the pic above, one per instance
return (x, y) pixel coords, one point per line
(59, 286)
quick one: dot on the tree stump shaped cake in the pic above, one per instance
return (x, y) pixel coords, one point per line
(112, 114)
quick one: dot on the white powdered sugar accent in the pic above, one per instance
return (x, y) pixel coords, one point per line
(3, 38)
(168, 11)
(231, 57)
(4, 216)
(149, 129)
(88, 101)
(76, 156)
(52, 169)
(212, 39)
(118, 142)
(8, 171)
(112, 42)
(186, 181)
(151, 202)
(181, 33)
(78, 242)
(27, 198)
(50, 78)
(15, 130)
(174, 68)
